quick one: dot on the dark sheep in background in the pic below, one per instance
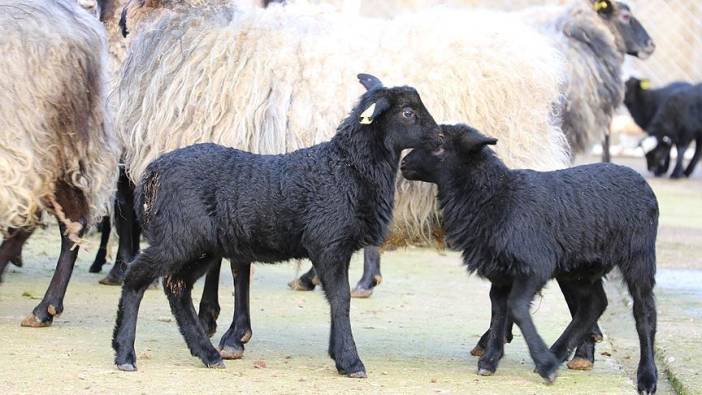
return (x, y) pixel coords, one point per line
(643, 103)
(520, 228)
(206, 202)
(678, 122)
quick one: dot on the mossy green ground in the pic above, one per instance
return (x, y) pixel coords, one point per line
(414, 334)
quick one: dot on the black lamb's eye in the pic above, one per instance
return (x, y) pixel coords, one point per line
(408, 113)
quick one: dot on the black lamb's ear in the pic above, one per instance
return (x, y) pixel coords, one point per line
(374, 110)
(474, 141)
(603, 7)
(369, 81)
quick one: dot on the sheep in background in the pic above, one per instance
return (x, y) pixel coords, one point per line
(678, 122)
(58, 151)
(595, 36)
(643, 102)
(521, 228)
(276, 78)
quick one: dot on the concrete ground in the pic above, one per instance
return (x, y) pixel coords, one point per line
(414, 334)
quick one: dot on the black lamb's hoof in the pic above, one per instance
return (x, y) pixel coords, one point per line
(127, 367)
(580, 364)
(676, 176)
(96, 267)
(358, 375)
(232, 352)
(111, 280)
(646, 382)
(477, 351)
(485, 372)
(301, 284)
(32, 321)
(549, 372)
(361, 293)
(216, 364)
(17, 261)
(354, 369)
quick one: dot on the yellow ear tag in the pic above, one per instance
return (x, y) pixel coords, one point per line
(645, 84)
(600, 5)
(367, 115)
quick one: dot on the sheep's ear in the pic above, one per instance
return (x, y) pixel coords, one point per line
(603, 7)
(369, 81)
(374, 110)
(645, 84)
(475, 141)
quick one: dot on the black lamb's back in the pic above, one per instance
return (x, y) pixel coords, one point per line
(546, 223)
(269, 206)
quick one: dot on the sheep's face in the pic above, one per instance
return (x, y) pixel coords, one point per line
(422, 164)
(456, 145)
(632, 38)
(658, 159)
(407, 123)
(398, 112)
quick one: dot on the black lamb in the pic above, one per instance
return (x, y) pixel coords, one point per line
(678, 122)
(643, 102)
(204, 202)
(520, 228)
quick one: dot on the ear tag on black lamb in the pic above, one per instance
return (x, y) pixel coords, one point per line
(600, 5)
(645, 84)
(367, 115)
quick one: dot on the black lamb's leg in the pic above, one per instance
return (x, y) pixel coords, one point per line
(231, 345)
(695, 158)
(371, 273)
(306, 282)
(101, 255)
(126, 225)
(584, 357)
(678, 170)
(143, 272)
(209, 303)
(520, 297)
(178, 289)
(480, 348)
(589, 302)
(333, 268)
(11, 248)
(495, 336)
(646, 320)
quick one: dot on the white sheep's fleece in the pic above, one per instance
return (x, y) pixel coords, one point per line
(54, 127)
(275, 80)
